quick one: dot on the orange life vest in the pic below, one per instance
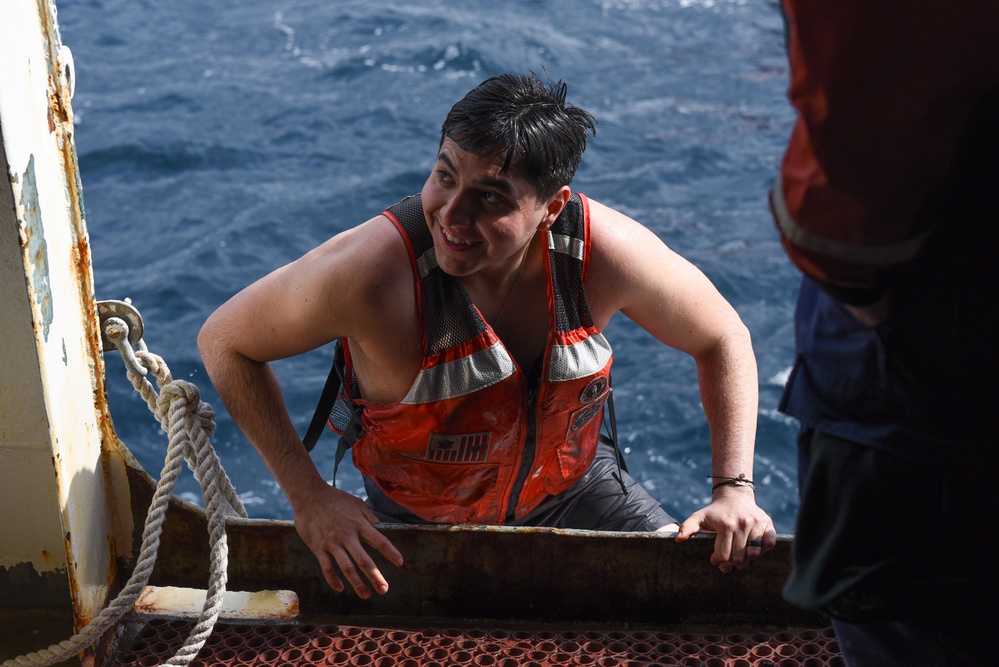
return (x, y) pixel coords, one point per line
(473, 441)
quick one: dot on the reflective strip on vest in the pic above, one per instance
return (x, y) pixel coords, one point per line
(587, 357)
(879, 255)
(461, 376)
(426, 262)
(567, 245)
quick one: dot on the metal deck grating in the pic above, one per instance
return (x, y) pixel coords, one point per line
(355, 646)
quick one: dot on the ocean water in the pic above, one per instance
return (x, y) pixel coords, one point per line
(218, 141)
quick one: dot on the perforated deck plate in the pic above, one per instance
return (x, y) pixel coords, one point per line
(245, 645)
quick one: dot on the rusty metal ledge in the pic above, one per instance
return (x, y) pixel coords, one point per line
(491, 573)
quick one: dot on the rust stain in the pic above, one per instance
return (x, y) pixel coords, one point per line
(82, 267)
(48, 558)
(81, 270)
(58, 91)
(113, 579)
(58, 98)
(74, 584)
(146, 602)
(294, 608)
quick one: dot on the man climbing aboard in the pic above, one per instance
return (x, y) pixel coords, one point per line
(476, 374)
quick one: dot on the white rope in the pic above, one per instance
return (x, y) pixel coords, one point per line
(190, 423)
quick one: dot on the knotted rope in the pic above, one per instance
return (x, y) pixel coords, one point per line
(190, 424)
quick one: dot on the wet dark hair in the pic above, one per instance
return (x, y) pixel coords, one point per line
(528, 122)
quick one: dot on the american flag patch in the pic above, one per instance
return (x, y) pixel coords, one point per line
(467, 448)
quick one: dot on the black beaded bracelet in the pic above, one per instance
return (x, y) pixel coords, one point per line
(732, 481)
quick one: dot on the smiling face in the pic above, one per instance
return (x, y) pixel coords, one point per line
(482, 219)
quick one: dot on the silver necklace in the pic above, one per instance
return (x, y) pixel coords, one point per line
(516, 281)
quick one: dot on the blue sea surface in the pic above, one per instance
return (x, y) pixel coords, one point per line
(219, 141)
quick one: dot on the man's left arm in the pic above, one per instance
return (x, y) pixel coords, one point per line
(726, 375)
(633, 271)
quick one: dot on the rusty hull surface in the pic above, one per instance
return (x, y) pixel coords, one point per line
(522, 575)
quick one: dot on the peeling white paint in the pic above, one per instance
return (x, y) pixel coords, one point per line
(176, 602)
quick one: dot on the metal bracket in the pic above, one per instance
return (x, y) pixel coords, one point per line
(121, 327)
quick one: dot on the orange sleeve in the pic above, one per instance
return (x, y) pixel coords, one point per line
(883, 91)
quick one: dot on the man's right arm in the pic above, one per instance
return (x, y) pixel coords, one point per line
(291, 311)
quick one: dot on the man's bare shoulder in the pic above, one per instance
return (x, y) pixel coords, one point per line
(614, 234)
(348, 286)
(370, 267)
(621, 250)
(365, 271)
(368, 256)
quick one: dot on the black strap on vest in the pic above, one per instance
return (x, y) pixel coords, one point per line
(326, 400)
(350, 436)
(622, 466)
(352, 433)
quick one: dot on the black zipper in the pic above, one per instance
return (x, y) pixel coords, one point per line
(530, 444)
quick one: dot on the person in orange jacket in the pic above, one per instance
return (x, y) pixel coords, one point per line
(888, 202)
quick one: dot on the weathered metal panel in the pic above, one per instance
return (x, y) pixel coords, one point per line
(33, 535)
(56, 433)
